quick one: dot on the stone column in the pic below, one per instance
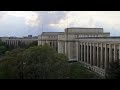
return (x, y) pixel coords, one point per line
(69, 50)
(84, 52)
(81, 52)
(91, 53)
(101, 61)
(63, 45)
(115, 53)
(106, 57)
(98, 54)
(88, 53)
(38, 42)
(13, 43)
(59, 47)
(10, 42)
(77, 50)
(17, 43)
(66, 48)
(110, 53)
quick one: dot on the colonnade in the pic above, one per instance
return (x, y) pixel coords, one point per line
(52, 43)
(97, 54)
(12, 42)
(16, 43)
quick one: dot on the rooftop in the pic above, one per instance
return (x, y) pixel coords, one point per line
(52, 33)
(84, 30)
(112, 37)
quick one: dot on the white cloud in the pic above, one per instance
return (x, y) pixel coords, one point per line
(107, 20)
(31, 18)
(59, 20)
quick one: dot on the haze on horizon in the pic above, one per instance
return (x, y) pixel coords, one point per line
(23, 23)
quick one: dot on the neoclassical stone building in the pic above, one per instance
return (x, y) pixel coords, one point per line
(16, 41)
(92, 47)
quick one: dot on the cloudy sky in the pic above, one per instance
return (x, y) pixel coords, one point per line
(23, 23)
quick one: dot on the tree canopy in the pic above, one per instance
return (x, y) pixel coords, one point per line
(3, 48)
(40, 62)
(113, 72)
(34, 43)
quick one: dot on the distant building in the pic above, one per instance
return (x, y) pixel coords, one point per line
(16, 41)
(29, 36)
(51, 38)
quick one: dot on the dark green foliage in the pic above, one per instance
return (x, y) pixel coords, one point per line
(34, 63)
(77, 71)
(8, 64)
(3, 48)
(114, 71)
(34, 43)
(40, 62)
(23, 45)
(2, 43)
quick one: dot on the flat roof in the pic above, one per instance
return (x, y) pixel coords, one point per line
(82, 28)
(51, 33)
(112, 37)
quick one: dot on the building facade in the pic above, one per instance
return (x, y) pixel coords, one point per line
(15, 42)
(92, 47)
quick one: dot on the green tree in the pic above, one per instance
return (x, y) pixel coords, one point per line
(113, 72)
(3, 48)
(2, 43)
(39, 62)
(42, 62)
(34, 43)
(8, 64)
